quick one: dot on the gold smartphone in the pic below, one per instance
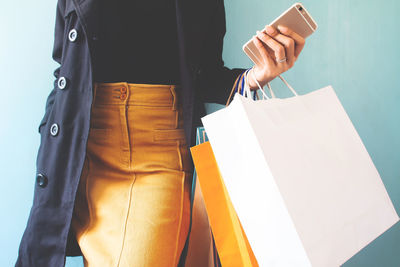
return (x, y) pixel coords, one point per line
(296, 18)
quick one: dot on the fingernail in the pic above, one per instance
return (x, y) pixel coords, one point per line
(270, 29)
(282, 28)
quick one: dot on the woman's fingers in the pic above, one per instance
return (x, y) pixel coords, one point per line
(286, 41)
(263, 51)
(300, 41)
(279, 50)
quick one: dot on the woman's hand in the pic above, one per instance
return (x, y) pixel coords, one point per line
(279, 49)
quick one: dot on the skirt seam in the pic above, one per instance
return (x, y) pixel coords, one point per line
(126, 219)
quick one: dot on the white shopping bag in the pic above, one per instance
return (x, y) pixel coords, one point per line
(300, 179)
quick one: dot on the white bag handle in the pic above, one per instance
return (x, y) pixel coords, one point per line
(270, 90)
(248, 93)
(288, 85)
(247, 88)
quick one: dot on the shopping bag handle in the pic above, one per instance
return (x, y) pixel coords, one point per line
(270, 88)
(247, 88)
(235, 85)
(288, 85)
(247, 91)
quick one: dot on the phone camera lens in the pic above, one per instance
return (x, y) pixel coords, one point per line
(300, 8)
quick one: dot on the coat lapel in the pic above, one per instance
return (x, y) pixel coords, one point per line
(88, 12)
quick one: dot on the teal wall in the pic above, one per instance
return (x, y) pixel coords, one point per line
(354, 49)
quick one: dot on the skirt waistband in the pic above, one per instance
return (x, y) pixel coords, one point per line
(123, 93)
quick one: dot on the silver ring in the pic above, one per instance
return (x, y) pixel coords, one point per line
(282, 60)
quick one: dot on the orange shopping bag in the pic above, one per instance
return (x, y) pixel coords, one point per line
(230, 239)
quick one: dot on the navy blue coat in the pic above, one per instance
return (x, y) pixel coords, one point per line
(64, 127)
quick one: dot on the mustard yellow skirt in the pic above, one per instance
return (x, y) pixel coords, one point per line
(132, 207)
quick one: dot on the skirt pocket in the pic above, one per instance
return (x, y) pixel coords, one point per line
(169, 134)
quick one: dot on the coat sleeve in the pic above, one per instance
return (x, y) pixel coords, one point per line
(215, 80)
(56, 55)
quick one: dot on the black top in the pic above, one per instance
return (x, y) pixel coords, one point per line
(137, 42)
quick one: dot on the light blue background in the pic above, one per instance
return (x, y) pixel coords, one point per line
(355, 50)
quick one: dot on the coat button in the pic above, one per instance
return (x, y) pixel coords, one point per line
(41, 180)
(62, 82)
(72, 35)
(54, 129)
